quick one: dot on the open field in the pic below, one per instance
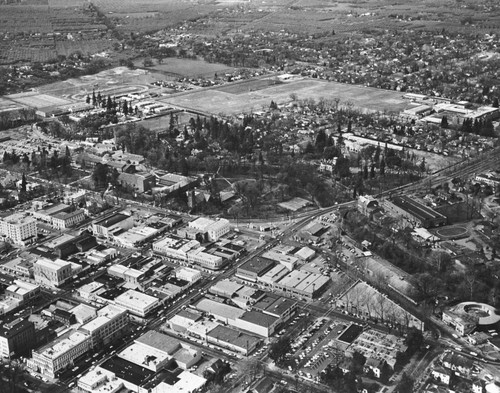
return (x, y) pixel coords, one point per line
(453, 232)
(248, 85)
(7, 105)
(217, 101)
(119, 80)
(37, 100)
(190, 68)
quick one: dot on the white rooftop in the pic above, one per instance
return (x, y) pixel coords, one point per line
(144, 356)
(63, 344)
(187, 383)
(22, 287)
(136, 297)
(91, 287)
(53, 265)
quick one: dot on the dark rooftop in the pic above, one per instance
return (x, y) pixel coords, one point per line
(128, 371)
(12, 328)
(257, 266)
(415, 208)
(112, 220)
(258, 318)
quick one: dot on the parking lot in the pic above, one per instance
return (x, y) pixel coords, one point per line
(316, 346)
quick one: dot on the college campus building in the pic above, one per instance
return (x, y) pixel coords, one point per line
(19, 228)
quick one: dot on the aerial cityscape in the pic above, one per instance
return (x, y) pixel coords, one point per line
(249, 196)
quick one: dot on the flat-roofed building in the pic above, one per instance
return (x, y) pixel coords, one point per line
(222, 312)
(218, 229)
(277, 306)
(60, 353)
(17, 338)
(188, 274)
(140, 181)
(302, 284)
(132, 277)
(46, 213)
(52, 273)
(175, 247)
(111, 322)
(137, 303)
(83, 313)
(108, 226)
(134, 237)
(273, 276)
(206, 260)
(232, 339)
(65, 220)
(256, 322)
(100, 380)
(213, 228)
(184, 354)
(23, 291)
(377, 345)
(91, 290)
(288, 261)
(185, 382)
(181, 321)
(225, 288)
(254, 268)
(19, 228)
(414, 212)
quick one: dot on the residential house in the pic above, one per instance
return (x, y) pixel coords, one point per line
(374, 366)
(442, 375)
(458, 363)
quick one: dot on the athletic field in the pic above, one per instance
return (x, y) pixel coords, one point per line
(246, 98)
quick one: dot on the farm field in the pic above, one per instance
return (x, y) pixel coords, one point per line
(217, 101)
(151, 15)
(190, 68)
(39, 31)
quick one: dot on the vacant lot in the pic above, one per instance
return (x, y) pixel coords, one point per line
(219, 101)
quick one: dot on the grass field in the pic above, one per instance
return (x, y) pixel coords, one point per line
(218, 101)
(452, 232)
(190, 68)
(118, 80)
(7, 105)
(248, 85)
(37, 100)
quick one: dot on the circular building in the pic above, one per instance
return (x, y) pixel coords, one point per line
(467, 316)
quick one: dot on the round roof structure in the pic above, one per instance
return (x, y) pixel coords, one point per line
(486, 314)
